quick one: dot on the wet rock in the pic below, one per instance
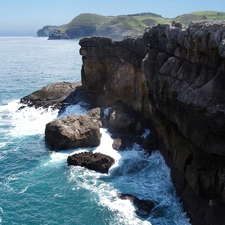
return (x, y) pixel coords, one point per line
(126, 141)
(51, 95)
(151, 142)
(73, 131)
(94, 161)
(97, 114)
(143, 207)
(116, 144)
(120, 122)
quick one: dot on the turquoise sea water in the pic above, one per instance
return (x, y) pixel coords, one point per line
(36, 184)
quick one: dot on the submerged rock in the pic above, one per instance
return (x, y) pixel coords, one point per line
(94, 161)
(143, 207)
(73, 131)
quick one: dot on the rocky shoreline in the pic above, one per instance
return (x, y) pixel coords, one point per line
(78, 131)
(172, 81)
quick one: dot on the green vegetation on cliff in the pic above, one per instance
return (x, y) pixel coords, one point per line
(87, 24)
(202, 15)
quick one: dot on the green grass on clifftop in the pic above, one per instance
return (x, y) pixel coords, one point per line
(134, 23)
(138, 20)
(201, 15)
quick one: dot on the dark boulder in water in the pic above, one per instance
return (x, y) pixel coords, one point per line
(94, 161)
(143, 207)
(73, 131)
(116, 144)
(51, 95)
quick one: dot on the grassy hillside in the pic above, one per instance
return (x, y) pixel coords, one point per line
(126, 25)
(202, 15)
(141, 20)
(89, 19)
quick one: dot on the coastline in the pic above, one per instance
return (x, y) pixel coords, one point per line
(171, 81)
(173, 77)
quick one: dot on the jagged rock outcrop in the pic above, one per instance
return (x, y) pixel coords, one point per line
(51, 95)
(73, 131)
(174, 76)
(58, 95)
(93, 161)
(57, 35)
(46, 31)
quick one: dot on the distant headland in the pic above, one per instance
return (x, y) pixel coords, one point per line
(118, 27)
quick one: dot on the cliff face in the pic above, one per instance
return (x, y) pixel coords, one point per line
(174, 76)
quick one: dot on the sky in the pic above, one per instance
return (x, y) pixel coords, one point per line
(25, 17)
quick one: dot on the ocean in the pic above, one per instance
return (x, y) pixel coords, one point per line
(36, 184)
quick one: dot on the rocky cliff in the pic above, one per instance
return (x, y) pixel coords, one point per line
(175, 77)
(46, 31)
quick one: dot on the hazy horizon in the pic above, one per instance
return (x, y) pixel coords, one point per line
(25, 18)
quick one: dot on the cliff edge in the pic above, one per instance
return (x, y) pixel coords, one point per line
(175, 77)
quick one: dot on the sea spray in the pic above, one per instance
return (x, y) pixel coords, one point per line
(134, 172)
(36, 184)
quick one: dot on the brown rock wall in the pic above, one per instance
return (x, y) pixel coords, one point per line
(176, 77)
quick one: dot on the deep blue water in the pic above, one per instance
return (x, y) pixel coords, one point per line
(36, 184)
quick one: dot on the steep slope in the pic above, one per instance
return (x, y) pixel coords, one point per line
(173, 76)
(117, 27)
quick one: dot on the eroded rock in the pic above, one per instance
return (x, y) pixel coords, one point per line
(73, 131)
(94, 161)
(51, 95)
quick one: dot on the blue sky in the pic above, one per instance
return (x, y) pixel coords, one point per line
(25, 17)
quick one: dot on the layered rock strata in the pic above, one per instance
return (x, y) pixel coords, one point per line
(175, 77)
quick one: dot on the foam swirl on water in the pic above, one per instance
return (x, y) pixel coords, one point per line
(133, 172)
